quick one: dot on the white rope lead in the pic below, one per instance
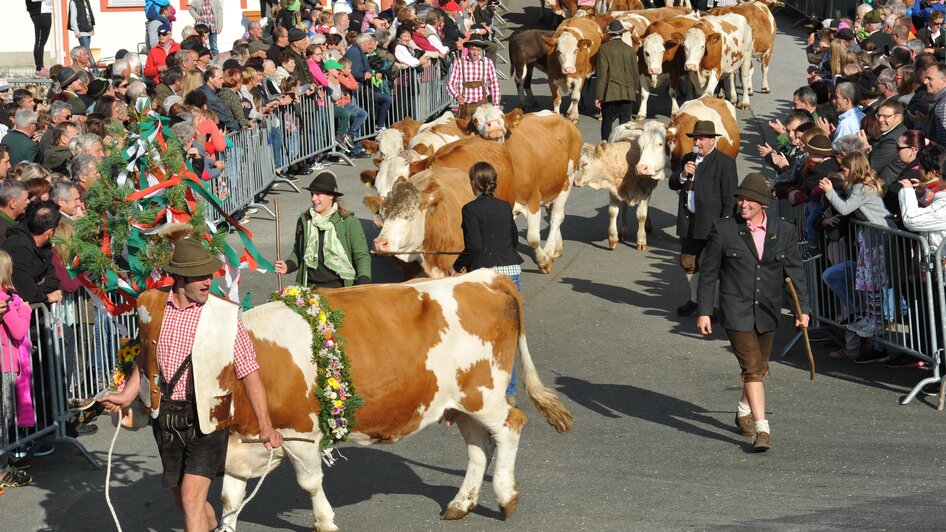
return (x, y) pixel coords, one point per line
(236, 514)
(108, 477)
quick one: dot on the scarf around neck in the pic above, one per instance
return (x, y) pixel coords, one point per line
(335, 258)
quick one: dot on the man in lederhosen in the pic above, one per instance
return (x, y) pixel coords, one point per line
(473, 78)
(192, 343)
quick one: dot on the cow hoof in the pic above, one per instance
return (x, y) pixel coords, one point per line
(642, 247)
(764, 90)
(613, 244)
(452, 513)
(509, 508)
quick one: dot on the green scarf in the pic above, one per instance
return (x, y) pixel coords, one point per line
(335, 258)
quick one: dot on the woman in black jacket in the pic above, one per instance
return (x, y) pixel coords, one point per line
(490, 237)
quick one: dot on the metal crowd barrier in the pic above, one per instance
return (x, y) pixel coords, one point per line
(882, 281)
(49, 388)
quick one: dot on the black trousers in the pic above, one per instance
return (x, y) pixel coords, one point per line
(41, 26)
(622, 109)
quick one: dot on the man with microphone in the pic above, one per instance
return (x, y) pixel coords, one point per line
(706, 185)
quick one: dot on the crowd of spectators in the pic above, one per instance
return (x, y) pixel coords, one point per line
(866, 140)
(349, 55)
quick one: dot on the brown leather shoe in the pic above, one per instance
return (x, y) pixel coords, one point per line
(746, 425)
(762, 442)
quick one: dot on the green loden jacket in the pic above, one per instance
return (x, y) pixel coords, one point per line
(353, 240)
(617, 72)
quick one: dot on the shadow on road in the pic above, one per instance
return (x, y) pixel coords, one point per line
(615, 400)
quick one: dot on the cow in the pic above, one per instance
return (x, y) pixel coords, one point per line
(717, 47)
(423, 213)
(534, 156)
(572, 53)
(636, 22)
(629, 168)
(397, 150)
(447, 352)
(719, 111)
(763, 26)
(526, 53)
(661, 59)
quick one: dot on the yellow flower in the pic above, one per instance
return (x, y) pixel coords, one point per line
(339, 404)
(322, 317)
(333, 383)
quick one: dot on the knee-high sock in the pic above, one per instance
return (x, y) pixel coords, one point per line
(694, 280)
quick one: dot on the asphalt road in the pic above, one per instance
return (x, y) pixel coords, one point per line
(653, 448)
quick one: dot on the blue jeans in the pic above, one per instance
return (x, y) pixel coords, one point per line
(382, 103)
(213, 43)
(511, 389)
(839, 278)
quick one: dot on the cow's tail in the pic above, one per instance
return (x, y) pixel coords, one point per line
(542, 397)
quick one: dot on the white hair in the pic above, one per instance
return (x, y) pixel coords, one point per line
(170, 101)
(25, 117)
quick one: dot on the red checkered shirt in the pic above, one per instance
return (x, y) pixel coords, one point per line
(177, 338)
(466, 70)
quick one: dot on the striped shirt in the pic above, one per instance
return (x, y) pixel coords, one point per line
(176, 341)
(465, 70)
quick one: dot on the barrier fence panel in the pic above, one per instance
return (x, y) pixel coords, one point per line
(34, 397)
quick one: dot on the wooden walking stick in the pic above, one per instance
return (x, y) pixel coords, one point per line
(811, 359)
(278, 252)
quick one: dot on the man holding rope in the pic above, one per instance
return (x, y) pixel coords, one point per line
(750, 255)
(201, 343)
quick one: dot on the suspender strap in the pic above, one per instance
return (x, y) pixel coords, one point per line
(167, 388)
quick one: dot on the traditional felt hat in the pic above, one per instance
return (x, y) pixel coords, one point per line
(872, 17)
(819, 145)
(867, 84)
(295, 34)
(452, 6)
(324, 183)
(703, 128)
(754, 187)
(616, 28)
(97, 87)
(332, 64)
(476, 40)
(258, 46)
(192, 259)
(66, 76)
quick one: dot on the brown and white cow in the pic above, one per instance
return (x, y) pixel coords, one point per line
(716, 48)
(763, 34)
(661, 58)
(572, 56)
(423, 212)
(448, 351)
(629, 169)
(534, 156)
(397, 151)
(636, 22)
(719, 111)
